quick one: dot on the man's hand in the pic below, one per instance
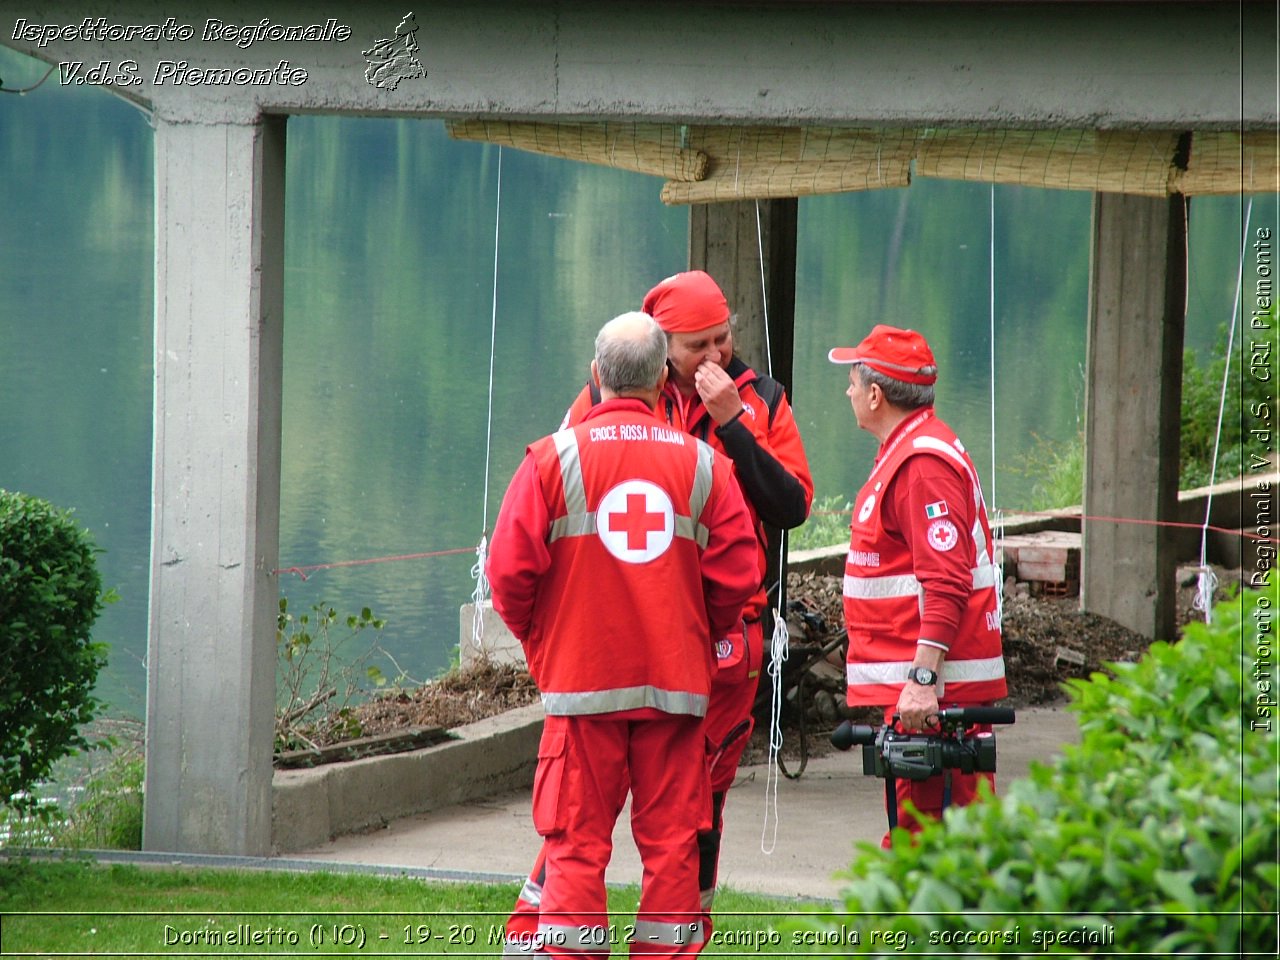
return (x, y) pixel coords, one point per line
(718, 392)
(917, 704)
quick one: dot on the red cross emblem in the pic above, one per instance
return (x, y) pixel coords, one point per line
(636, 521)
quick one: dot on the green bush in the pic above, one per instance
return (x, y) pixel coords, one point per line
(1157, 834)
(107, 814)
(1254, 356)
(827, 525)
(50, 596)
(318, 679)
(1250, 401)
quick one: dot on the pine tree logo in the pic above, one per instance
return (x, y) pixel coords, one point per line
(395, 58)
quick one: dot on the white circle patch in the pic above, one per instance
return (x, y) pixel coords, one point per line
(865, 510)
(636, 521)
(943, 535)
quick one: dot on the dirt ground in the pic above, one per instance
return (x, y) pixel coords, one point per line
(1046, 641)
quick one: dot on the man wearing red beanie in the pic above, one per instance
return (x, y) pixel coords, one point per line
(713, 395)
(920, 602)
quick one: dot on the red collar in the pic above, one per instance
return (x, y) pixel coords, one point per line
(904, 429)
(619, 405)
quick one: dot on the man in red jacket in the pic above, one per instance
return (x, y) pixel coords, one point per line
(622, 551)
(713, 395)
(920, 600)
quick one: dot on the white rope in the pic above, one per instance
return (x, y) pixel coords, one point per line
(481, 590)
(1207, 580)
(779, 643)
(779, 651)
(764, 296)
(995, 518)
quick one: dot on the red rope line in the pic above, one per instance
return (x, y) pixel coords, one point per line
(303, 570)
(1152, 523)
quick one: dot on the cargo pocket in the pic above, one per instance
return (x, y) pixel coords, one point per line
(704, 786)
(548, 783)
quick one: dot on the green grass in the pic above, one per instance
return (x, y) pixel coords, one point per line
(70, 907)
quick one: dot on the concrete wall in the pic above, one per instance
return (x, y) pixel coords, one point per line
(492, 756)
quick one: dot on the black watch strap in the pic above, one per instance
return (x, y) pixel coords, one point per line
(923, 676)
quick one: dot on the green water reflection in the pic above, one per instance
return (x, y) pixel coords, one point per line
(389, 299)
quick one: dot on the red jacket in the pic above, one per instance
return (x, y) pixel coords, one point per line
(622, 550)
(919, 565)
(764, 445)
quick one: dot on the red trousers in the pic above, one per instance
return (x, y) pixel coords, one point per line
(584, 765)
(927, 795)
(726, 731)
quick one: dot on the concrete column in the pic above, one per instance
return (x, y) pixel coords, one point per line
(723, 241)
(219, 292)
(1137, 312)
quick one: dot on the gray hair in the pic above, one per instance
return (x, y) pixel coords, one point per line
(899, 393)
(631, 352)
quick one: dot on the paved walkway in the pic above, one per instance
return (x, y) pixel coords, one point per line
(786, 838)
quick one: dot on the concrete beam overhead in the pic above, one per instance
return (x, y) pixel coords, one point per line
(1062, 65)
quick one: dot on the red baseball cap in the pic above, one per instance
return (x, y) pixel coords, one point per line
(687, 302)
(901, 354)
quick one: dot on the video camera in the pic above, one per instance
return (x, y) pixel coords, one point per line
(892, 754)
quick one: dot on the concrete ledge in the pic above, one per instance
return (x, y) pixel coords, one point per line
(311, 807)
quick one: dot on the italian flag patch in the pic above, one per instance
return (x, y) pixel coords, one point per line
(934, 510)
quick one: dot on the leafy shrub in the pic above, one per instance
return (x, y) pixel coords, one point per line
(317, 680)
(828, 524)
(1254, 356)
(108, 813)
(1059, 468)
(101, 809)
(1157, 834)
(1057, 472)
(50, 596)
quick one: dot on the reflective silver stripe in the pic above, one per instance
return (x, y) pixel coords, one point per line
(946, 449)
(702, 476)
(531, 892)
(574, 525)
(685, 527)
(669, 934)
(577, 522)
(584, 525)
(575, 493)
(957, 671)
(701, 491)
(970, 671)
(906, 584)
(520, 948)
(985, 577)
(879, 588)
(589, 939)
(624, 698)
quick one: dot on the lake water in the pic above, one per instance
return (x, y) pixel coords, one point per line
(389, 296)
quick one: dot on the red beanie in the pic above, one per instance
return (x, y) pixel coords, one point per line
(687, 302)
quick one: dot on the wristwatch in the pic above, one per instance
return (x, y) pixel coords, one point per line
(923, 676)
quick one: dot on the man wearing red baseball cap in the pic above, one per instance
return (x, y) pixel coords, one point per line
(920, 602)
(713, 395)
